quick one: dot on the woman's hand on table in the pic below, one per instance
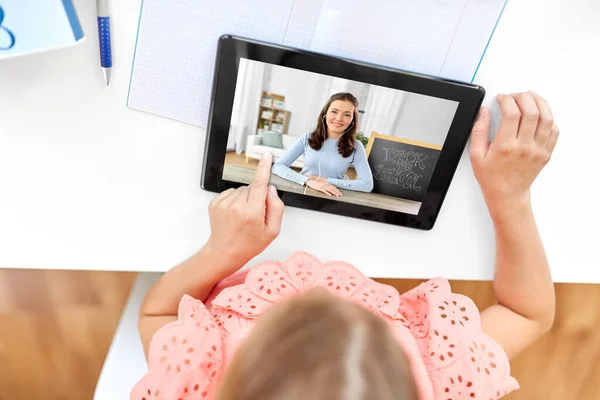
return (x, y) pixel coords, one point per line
(323, 187)
(317, 178)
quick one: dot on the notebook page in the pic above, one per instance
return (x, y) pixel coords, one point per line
(302, 23)
(471, 38)
(176, 46)
(437, 37)
(176, 49)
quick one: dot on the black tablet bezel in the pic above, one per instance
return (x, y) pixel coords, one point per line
(232, 48)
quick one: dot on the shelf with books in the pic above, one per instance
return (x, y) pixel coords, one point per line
(272, 114)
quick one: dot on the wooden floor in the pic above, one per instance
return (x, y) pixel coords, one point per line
(56, 328)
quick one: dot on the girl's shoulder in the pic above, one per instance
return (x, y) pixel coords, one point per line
(440, 331)
(304, 138)
(358, 145)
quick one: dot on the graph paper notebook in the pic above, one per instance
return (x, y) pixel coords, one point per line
(177, 40)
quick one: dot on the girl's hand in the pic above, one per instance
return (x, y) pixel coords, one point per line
(526, 137)
(246, 220)
(243, 223)
(323, 187)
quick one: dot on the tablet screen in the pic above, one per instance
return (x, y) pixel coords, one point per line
(336, 138)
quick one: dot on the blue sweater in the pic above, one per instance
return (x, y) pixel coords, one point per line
(326, 162)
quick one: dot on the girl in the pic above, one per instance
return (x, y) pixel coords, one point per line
(329, 150)
(305, 330)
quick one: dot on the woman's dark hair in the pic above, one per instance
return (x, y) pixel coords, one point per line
(346, 142)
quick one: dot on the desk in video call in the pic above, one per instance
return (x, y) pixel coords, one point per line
(244, 174)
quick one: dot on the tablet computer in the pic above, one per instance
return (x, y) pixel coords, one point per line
(347, 137)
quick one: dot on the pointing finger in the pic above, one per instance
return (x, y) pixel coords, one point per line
(258, 188)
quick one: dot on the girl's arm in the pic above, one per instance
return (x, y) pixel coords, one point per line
(243, 223)
(364, 183)
(282, 166)
(196, 277)
(505, 170)
(522, 282)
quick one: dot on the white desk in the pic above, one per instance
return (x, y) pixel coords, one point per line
(87, 183)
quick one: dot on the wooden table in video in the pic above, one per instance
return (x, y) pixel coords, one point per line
(244, 174)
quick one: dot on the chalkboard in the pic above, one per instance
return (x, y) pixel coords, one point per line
(401, 168)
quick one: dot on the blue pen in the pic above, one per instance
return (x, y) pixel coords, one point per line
(103, 9)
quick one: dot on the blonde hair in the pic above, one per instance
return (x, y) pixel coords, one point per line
(318, 346)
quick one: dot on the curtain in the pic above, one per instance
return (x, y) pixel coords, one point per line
(382, 111)
(244, 116)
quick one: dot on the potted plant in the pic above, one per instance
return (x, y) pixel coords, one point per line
(362, 138)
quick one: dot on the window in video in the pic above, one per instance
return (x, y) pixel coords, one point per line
(336, 138)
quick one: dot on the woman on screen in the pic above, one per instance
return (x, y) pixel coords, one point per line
(329, 151)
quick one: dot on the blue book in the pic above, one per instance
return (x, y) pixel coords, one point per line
(30, 26)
